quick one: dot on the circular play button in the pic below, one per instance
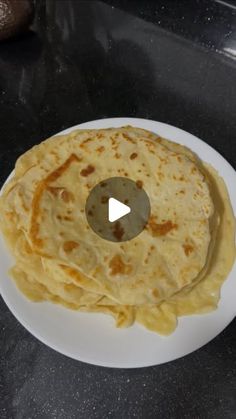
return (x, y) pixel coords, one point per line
(118, 209)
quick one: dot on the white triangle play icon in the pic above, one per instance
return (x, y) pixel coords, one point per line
(116, 210)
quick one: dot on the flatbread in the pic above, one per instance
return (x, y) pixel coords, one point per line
(170, 269)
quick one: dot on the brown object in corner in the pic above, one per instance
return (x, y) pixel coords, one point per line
(15, 17)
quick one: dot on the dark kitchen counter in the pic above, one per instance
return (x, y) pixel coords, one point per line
(164, 60)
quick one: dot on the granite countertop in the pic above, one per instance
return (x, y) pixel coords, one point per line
(169, 61)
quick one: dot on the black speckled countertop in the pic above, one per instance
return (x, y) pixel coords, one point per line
(165, 60)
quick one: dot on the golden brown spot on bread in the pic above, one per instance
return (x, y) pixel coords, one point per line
(100, 149)
(87, 170)
(67, 196)
(161, 175)
(77, 276)
(104, 199)
(148, 142)
(57, 159)
(10, 215)
(62, 192)
(155, 293)
(163, 160)
(139, 184)
(133, 156)
(117, 155)
(118, 231)
(87, 140)
(52, 177)
(100, 135)
(55, 191)
(128, 138)
(118, 266)
(188, 248)
(61, 169)
(161, 229)
(70, 245)
(64, 217)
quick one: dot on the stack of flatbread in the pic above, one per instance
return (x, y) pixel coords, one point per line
(175, 267)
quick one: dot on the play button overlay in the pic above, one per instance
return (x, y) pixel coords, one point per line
(118, 209)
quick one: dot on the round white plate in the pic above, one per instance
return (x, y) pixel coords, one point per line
(93, 338)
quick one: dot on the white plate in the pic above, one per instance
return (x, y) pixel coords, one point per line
(93, 338)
